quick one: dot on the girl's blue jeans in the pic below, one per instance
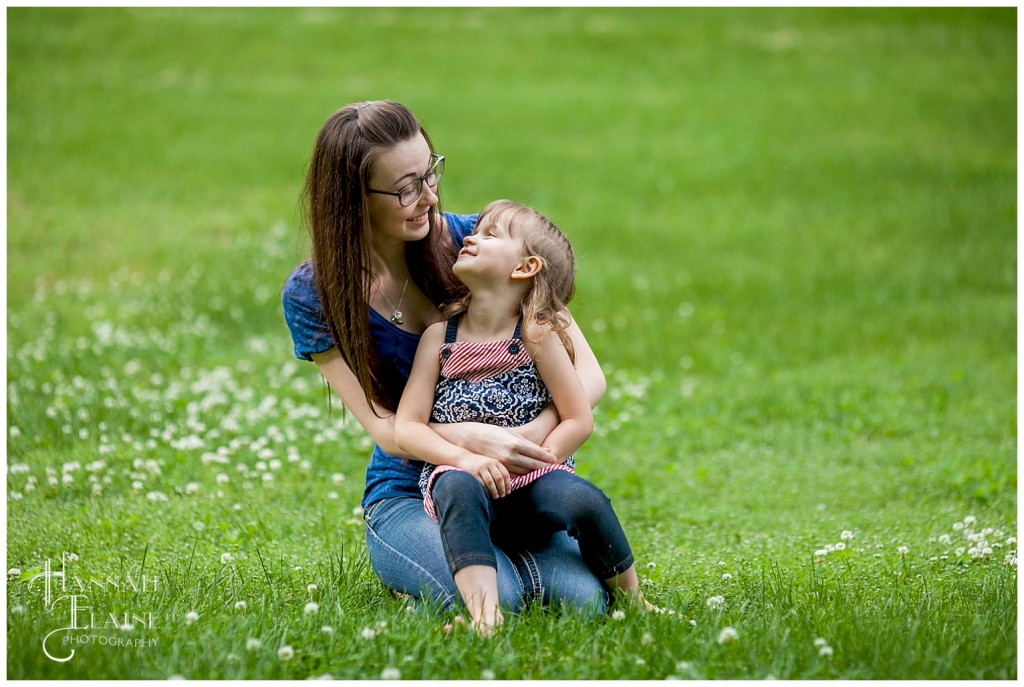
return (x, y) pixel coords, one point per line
(558, 501)
(407, 554)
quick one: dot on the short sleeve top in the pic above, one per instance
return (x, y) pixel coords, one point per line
(387, 475)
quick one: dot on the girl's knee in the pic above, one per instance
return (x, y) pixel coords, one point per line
(584, 495)
(456, 483)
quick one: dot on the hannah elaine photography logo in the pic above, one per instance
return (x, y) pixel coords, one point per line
(66, 596)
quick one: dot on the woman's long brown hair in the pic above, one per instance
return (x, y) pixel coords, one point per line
(335, 208)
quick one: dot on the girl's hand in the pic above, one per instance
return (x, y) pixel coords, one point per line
(489, 472)
(517, 454)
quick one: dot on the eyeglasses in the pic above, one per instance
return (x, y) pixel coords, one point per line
(410, 193)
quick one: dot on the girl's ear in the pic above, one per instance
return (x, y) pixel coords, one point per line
(529, 266)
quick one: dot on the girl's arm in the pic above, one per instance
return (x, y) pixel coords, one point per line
(414, 435)
(591, 377)
(567, 392)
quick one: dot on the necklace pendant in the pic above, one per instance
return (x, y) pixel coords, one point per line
(396, 317)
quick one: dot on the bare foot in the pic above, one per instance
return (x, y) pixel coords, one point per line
(651, 608)
(486, 625)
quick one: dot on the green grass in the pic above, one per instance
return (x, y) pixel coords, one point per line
(797, 248)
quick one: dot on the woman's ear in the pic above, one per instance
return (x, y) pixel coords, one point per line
(529, 266)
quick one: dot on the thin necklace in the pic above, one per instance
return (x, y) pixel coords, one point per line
(396, 314)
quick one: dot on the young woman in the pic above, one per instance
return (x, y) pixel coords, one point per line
(501, 357)
(381, 267)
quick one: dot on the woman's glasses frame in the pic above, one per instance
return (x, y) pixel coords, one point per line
(411, 192)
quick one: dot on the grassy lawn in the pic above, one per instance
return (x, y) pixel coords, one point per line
(796, 232)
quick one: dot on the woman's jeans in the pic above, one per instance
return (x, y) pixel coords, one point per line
(557, 501)
(407, 555)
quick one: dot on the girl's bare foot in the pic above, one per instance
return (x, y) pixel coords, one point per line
(457, 621)
(488, 623)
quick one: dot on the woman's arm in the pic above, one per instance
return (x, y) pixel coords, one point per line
(587, 365)
(567, 392)
(341, 378)
(413, 434)
(518, 454)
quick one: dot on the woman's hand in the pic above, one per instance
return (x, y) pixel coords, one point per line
(489, 472)
(515, 453)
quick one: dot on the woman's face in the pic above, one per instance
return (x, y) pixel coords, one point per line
(393, 169)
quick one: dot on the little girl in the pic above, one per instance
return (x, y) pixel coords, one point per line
(501, 357)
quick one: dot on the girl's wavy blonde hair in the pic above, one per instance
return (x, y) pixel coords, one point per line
(553, 286)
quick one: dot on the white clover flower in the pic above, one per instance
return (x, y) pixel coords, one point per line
(337, 478)
(14, 572)
(820, 642)
(903, 551)
(252, 644)
(945, 539)
(191, 617)
(957, 526)
(311, 588)
(191, 488)
(716, 601)
(821, 553)
(222, 478)
(619, 614)
(327, 630)
(240, 605)
(369, 633)
(959, 551)
(846, 534)
(970, 520)
(156, 496)
(391, 673)
(18, 609)
(840, 546)
(652, 565)
(486, 674)
(1011, 542)
(726, 577)
(728, 635)
(226, 558)
(648, 638)
(693, 623)
(825, 651)
(286, 653)
(311, 608)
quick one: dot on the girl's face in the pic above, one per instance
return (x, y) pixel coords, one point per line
(492, 250)
(393, 169)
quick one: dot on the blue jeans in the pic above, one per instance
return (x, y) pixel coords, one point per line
(557, 501)
(407, 555)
